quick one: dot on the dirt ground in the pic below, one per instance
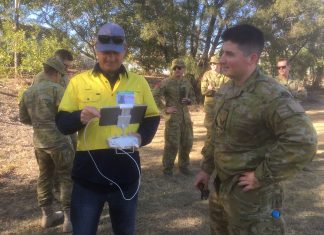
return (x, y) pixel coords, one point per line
(166, 207)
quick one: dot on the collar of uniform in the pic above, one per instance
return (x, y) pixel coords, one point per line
(283, 79)
(251, 82)
(248, 86)
(177, 79)
(45, 77)
(214, 72)
(122, 70)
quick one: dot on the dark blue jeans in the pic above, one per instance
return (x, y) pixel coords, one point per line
(87, 205)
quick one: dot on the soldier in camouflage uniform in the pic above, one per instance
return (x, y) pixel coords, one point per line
(66, 58)
(211, 81)
(296, 87)
(177, 93)
(260, 137)
(53, 150)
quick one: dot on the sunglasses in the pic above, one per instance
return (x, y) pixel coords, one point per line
(177, 68)
(213, 63)
(108, 39)
(282, 67)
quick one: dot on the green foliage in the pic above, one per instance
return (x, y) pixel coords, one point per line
(192, 66)
(159, 31)
(38, 51)
(292, 30)
(33, 48)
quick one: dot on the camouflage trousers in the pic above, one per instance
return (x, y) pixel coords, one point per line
(50, 160)
(73, 138)
(234, 212)
(178, 137)
(208, 120)
(209, 106)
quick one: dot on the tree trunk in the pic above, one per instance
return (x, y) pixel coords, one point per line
(209, 34)
(216, 41)
(318, 77)
(16, 28)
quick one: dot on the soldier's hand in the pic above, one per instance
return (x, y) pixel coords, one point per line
(248, 181)
(209, 87)
(171, 109)
(301, 89)
(88, 113)
(201, 178)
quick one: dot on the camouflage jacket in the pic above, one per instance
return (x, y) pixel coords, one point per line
(213, 79)
(259, 127)
(168, 93)
(40, 76)
(38, 107)
(295, 87)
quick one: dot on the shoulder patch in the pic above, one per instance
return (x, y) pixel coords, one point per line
(296, 107)
(287, 110)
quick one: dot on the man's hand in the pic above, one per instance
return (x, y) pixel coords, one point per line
(209, 87)
(248, 181)
(138, 136)
(88, 113)
(171, 109)
(201, 178)
(300, 89)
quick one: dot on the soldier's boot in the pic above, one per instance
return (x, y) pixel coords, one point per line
(307, 168)
(167, 172)
(51, 218)
(67, 225)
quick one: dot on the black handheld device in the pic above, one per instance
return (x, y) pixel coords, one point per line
(204, 193)
(109, 115)
(183, 93)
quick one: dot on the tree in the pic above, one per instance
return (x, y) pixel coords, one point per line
(158, 31)
(35, 45)
(292, 28)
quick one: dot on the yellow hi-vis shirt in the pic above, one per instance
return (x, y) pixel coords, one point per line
(93, 89)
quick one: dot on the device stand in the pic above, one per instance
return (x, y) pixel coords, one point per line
(124, 141)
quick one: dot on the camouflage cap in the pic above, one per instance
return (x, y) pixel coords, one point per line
(56, 64)
(177, 62)
(214, 59)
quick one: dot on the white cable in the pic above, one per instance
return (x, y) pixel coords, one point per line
(139, 173)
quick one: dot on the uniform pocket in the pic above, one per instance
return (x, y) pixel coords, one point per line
(90, 96)
(222, 119)
(240, 206)
(278, 196)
